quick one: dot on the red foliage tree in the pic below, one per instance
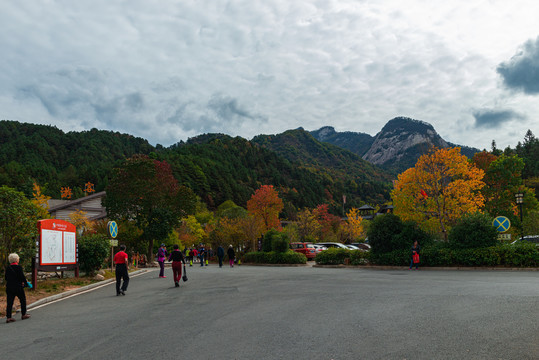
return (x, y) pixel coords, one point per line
(265, 205)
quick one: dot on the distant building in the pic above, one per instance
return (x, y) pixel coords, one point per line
(91, 205)
(366, 212)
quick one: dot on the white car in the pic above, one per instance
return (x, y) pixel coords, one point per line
(352, 247)
(333, 245)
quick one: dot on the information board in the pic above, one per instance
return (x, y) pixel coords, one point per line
(57, 242)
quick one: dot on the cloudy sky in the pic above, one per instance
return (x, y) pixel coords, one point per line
(170, 70)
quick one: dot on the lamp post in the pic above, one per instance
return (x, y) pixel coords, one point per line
(519, 199)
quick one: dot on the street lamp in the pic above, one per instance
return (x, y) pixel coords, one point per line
(519, 199)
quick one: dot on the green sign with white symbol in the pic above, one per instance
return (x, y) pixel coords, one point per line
(501, 223)
(113, 228)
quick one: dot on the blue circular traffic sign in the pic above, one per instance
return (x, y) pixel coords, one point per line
(113, 228)
(501, 223)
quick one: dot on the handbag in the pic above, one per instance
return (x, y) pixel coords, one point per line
(416, 258)
(184, 277)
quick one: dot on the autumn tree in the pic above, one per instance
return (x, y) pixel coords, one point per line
(81, 221)
(308, 225)
(329, 223)
(265, 205)
(438, 190)
(353, 227)
(145, 191)
(41, 201)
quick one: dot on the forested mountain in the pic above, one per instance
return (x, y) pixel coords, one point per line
(358, 143)
(55, 159)
(217, 167)
(348, 171)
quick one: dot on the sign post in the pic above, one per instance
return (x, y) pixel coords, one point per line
(57, 248)
(113, 232)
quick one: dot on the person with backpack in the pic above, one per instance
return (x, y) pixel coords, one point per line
(415, 255)
(177, 258)
(15, 284)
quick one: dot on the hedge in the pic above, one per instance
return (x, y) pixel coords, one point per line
(522, 255)
(272, 257)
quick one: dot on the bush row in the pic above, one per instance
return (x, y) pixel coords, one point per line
(522, 255)
(273, 257)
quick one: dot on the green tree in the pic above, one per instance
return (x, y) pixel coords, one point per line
(18, 217)
(145, 191)
(93, 250)
(473, 231)
(383, 233)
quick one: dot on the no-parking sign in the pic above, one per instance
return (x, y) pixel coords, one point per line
(501, 223)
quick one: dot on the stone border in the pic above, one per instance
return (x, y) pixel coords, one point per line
(76, 291)
(382, 267)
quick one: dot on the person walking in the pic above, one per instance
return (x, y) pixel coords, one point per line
(231, 255)
(201, 253)
(177, 258)
(161, 257)
(122, 267)
(220, 255)
(15, 284)
(415, 255)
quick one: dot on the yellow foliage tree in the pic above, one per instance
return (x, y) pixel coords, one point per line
(41, 201)
(80, 219)
(441, 188)
(353, 228)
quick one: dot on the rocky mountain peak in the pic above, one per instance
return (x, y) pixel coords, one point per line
(401, 138)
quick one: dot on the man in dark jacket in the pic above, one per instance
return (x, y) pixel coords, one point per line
(15, 284)
(220, 255)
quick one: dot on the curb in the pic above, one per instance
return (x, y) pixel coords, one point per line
(77, 290)
(446, 268)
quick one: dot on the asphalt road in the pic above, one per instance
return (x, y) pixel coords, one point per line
(251, 312)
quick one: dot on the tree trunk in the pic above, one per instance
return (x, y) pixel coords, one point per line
(150, 250)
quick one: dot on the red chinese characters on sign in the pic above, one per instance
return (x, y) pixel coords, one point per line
(89, 188)
(66, 193)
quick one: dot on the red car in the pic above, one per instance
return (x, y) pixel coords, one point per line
(306, 249)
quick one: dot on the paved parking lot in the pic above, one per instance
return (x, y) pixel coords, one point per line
(258, 312)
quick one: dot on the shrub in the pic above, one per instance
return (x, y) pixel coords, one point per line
(473, 231)
(267, 240)
(382, 231)
(93, 250)
(358, 257)
(272, 257)
(332, 256)
(399, 257)
(280, 243)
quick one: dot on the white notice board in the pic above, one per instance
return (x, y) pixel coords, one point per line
(51, 247)
(69, 247)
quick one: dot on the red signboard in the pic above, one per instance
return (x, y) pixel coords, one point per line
(57, 242)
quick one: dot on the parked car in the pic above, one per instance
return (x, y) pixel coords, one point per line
(362, 246)
(528, 238)
(306, 249)
(319, 248)
(333, 245)
(351, 247)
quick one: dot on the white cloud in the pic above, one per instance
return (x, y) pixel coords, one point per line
(170, 70)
